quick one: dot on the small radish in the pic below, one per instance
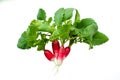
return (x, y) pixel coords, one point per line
(67, 51)
(49, 55)
(61, 55)
(55, 47)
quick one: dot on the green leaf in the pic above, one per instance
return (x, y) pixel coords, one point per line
(41, 15)
(61, 33)
(41, 31)
(44, 38)
(68, 13)
(32, 40)
(34, 27)
(99, 38)
(89, 31)
(86, 22)
(45, 27)
(28, 38)
(22, 42)
(64, 32)
(87, 28)
(58, 18)
(37, 25)
(50, 20)
(41, 45)
(55, 35)
(32, 32)
(77, 17)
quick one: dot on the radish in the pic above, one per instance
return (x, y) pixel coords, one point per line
(55, 47)
(49, 55)
(61, 55)
(67, 51)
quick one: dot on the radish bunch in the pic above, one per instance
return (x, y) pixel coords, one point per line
(59, 53)
(65, 26)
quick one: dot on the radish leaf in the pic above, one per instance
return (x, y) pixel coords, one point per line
(99, 38)
(58, 18)
(62, 28)
(68, 13)
(41, 15)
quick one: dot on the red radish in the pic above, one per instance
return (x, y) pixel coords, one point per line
(61, 55)
(49, 55)
(67, 51)
(55, 47)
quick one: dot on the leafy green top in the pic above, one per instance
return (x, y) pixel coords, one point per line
(41, 31)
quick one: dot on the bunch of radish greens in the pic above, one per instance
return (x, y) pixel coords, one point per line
(66, 26)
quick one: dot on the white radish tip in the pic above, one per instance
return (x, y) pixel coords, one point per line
(59, 63)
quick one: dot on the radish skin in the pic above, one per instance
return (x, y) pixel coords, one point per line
(61, 55)
(48, 54)
(67, 51)
(55, 47)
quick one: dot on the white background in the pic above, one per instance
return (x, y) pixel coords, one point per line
(101, 63)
